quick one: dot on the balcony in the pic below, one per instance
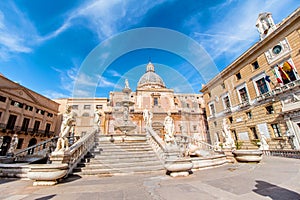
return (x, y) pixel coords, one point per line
(227, 110)
(279, 90)
(244, 104)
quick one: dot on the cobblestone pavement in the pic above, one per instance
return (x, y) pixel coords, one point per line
(273, 178)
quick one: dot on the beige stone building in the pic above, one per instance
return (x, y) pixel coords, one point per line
(84, 110)
(258, 94)
(187, 110)
(26, 113)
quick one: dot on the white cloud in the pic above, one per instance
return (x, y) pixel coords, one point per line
(17, 34)
(54, 94)
(114, 73)
(232, 30)
(107, 18)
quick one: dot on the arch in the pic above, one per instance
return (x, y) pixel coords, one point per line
(32, 142)
(5, 145)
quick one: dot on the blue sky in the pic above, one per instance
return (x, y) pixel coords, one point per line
(44, 43)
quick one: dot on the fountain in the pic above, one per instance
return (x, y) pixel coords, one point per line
(125, 125)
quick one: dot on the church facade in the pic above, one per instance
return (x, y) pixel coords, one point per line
(187, 110)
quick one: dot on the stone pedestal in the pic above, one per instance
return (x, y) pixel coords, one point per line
(248, 155)
(229, 155)
(175, 165)
(47, 174)
(59, 157)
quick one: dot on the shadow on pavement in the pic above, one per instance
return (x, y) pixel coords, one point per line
(46, 197)
(70, 178)
(274, 192)
(7, 180)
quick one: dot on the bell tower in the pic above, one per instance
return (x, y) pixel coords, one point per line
(265, 24)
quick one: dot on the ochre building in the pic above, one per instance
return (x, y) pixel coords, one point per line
(26, 113)
(259, 93)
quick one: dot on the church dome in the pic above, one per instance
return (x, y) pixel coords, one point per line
(150, 79)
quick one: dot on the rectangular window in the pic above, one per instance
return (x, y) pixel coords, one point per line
(195, 127)
(2, 99)
(234, 134)
(188, 105)
(16, 104)
(249, 115)
(36, 126)
(74, 107)
(254, 133)
(226, 102)
(47, 129)
(255, 65)
(262, 86)
(87, 107)
(20, 143)
(238, 76)
(223, 85)
(25, 124)
(276, 130)
(212, 109)
(243, 94)
(230, 119)
(27, 107)
(155, 101)
(99, 106)
(270, 110)
(11, 122)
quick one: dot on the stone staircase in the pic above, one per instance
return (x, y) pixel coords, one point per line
(119, 156)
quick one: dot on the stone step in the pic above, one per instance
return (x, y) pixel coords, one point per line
(123, 160)
(125, 156)
(116, 171)
(119, 165)
(121, 152)
(99, 149)
(121, 145)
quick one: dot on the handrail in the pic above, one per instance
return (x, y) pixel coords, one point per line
(80, 148)
(40, 149)
(184, 140)
(283, 153)
(156, 143)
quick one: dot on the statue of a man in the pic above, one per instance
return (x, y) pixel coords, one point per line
(65, 129)
(229, 142)
(169, 128)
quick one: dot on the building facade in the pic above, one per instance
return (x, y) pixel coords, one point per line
(187, 110)
(84, 110)
(31, 116)
(258, 94)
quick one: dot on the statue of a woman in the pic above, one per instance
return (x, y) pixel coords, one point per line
(169, 128)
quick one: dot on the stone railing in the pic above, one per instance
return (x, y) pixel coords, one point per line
(80, 148)
(283, 153)
(279, 90)
(183, 141)
(38, 151)
(156, 143)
